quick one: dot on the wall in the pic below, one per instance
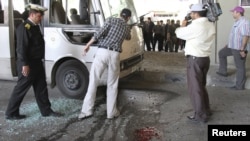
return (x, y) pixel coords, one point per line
(223, 26)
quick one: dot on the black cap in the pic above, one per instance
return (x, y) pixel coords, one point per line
(126, 12)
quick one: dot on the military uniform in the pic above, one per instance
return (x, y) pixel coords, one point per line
(30, 52)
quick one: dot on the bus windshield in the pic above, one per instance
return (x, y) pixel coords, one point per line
(114, 7)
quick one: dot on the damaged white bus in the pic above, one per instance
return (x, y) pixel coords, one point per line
(67, 27)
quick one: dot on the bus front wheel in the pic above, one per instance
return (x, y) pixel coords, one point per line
(72, 79)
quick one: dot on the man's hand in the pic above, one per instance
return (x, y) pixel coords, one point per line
(25, 71)
(243, 54)
(184, 23)
(85, 50)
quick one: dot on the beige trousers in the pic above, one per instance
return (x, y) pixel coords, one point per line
(104, 59)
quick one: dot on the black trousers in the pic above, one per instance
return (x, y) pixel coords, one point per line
(169, 46)
(158, 38)
(147, 41)
(37, 79)
(197, 69)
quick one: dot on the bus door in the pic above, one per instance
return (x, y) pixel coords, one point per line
(10, 18)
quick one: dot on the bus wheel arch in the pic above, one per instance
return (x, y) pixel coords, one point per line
(72, 78)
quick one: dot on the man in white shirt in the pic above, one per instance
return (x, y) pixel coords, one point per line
(199, 36)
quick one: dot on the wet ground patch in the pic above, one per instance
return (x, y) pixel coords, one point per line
(159, 77)
(142, 109)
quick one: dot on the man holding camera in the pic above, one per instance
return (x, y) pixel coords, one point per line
(199, 36)
(236, 47)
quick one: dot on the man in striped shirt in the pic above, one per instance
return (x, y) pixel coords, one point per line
(110, 38)
(236, 47)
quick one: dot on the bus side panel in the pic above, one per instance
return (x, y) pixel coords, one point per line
(5, 58)
(4, 41)
(130, 49)
(134, 46)
(59, 48)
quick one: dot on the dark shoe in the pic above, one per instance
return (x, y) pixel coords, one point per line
(54, 114)
(193, 119)
(235, 88)
(16, 117)
(209, 113)
(221, 74)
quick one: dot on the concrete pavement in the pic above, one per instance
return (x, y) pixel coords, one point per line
(154, 105)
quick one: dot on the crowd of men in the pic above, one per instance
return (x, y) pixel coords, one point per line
(162, 35)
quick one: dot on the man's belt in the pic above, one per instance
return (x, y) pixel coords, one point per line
(110, 48)
(190, 56)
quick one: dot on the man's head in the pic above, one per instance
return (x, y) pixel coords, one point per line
(73, 11)
(142, 18)
(36, 12)
(168, 21)
(178, 22)
(172, 22)
(197, 11)
(238, 12)
(125, 14)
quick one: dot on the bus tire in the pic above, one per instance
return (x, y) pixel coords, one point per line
(72, 79)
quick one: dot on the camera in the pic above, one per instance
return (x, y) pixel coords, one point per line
(188, 17)
(213, 11)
